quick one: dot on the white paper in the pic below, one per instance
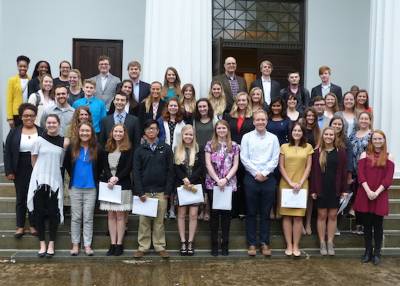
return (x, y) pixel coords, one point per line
(186, 197)
(222, 200)
(147, 208)
(344, 202)
(113, 195)
(291, 199)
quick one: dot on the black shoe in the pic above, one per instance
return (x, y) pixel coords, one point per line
(367, 257)
(19, 235)
(41, 254)
(224, 252)
(376, 260)
(214, 252)
(111, 250)
(119, 250)
(190, 248)
(49, 255)
(183, 250)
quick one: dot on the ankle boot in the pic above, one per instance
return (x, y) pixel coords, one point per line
(376, 259)
(111, 250)
(119, 250)
(367, 256)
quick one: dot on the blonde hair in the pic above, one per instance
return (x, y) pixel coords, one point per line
(79, 85)
(214, 141)
(252, 91)
(218, 104)
(249, 110)
(322, 149)
(192, 103)
(180, 152)
(148, 102)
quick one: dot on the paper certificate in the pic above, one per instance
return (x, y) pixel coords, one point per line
(147, 208)
(187, 197)
(292, 199)
(113, 195)
(222, 199)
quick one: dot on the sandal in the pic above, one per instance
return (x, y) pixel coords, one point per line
(190, 249)
(183, 250)
(206, 217)
(89, 251)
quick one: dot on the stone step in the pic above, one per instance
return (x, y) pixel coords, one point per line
(7, 223)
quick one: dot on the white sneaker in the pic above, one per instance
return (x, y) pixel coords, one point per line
(172, 214)
(337, 232)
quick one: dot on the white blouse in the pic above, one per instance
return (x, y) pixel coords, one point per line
(27, 142)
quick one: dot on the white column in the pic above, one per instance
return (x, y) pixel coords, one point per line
(178, 34)
(384, 71)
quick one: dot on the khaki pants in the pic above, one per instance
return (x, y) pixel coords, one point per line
(145, 234)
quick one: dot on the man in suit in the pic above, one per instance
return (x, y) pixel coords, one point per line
(326, 86)
(141, 89)
(106, 83)
(319, 106)
(231, 83)
(300, 92)
(130, 122)
(271, 88)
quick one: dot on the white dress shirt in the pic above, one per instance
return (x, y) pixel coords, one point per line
(266, 82)
(103, 81)
(325, 89)
(259, 153)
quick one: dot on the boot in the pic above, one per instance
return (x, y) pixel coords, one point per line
(367, 256)
(376, 259)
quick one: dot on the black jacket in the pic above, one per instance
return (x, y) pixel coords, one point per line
(198, 171)
(275, 87)
(124, 169)
(97, 166)
(246, 127)
(302, 95)
(143, 115)
(153, 171)
(11, 149)
(337, 90)
(132, 126)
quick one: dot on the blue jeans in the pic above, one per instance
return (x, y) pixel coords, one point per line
(260, 198)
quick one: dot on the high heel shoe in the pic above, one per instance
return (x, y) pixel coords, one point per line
(190, 248)
(183, 250)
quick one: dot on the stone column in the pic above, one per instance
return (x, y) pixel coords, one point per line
(384, 72)
(178, 34)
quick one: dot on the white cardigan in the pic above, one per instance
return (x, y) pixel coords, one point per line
(177, 134)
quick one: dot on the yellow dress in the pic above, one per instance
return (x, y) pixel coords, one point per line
(295, 165)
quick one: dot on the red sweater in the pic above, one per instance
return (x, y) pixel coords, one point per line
(341, 173)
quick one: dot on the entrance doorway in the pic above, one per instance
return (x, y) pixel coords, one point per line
(253, 31)
(87, 51)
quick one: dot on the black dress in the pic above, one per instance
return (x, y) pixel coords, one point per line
(328, 199)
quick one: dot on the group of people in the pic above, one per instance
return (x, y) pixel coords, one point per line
(151, 139)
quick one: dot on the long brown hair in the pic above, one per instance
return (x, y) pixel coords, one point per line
(111, 144)
(214, 141)
(76, 143)
(322, 149)
(314, 127)
(192, 104)
(383, 155)
(177, 83)
(167, 116)
(340, 138)
(218, 104)
(75, 119)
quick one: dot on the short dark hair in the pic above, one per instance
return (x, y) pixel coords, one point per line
(60, 86)
(150, 122)
(104, 58)
(23, 58)
(25, 106)
(317, 98)
(121, 93)
(54, 116)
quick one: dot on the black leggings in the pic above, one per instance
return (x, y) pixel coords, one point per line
(215, 223)
(372, 223)
(45, 206)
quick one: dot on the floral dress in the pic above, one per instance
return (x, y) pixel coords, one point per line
(222, 162)
(358, 145)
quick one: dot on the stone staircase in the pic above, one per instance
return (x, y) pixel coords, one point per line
(347, 243)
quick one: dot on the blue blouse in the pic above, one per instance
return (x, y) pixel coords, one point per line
(83, 172)
(280, 128)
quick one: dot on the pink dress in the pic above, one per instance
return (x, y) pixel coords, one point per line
(374, 176)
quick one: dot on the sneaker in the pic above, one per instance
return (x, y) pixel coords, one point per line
(172, 214)
(337, 232)
(322, 248)
(330, 249)
(251, 251)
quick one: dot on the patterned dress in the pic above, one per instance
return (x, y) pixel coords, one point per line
(222, 162)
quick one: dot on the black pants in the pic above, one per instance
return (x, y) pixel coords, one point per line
(372, 224)
(239, 197)
(45, 206)
(21, 183)
(219, 218)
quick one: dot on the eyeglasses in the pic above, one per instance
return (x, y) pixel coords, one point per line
(151, 129)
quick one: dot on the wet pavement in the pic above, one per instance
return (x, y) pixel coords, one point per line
(316, 271)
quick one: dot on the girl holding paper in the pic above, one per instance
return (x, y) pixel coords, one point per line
(375, 175)
(118, 158)
(295, 166)
(189, 171)
(83, 164)
(222, 161)
(328, 183)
